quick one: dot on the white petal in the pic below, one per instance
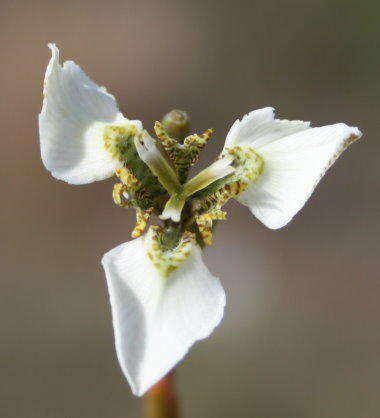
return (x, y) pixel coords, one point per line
(71, 122)
(293, 167)
(156, 320)
(259, 127)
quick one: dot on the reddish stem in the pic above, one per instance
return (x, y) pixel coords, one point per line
(161, 400)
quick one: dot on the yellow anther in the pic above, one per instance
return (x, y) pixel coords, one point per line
(204, 223)
(137, 194)
(142, 218)
(120, 195)
(205, 228)
(183, 156)
(168, 143)
(128, 178)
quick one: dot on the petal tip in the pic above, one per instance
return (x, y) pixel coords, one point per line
(350, 134)
(357, 132)
(54, 51)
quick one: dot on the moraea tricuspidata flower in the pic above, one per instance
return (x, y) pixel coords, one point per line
(163, 297)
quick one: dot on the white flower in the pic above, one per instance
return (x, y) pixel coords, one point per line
(163, 298)
(156, 319)
(74, 113)
(295, 158)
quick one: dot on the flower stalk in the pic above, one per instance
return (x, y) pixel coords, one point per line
(161, 401)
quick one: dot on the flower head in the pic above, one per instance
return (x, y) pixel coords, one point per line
(163, 297)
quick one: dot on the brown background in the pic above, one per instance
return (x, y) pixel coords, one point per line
(301, 334)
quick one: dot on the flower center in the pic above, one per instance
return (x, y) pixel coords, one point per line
(167, 249)
(153, 180)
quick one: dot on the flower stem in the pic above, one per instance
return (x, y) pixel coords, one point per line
(161, 400)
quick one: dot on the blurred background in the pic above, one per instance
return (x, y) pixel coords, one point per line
(301, 336)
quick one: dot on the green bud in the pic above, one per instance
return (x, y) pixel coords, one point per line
(177, 124)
